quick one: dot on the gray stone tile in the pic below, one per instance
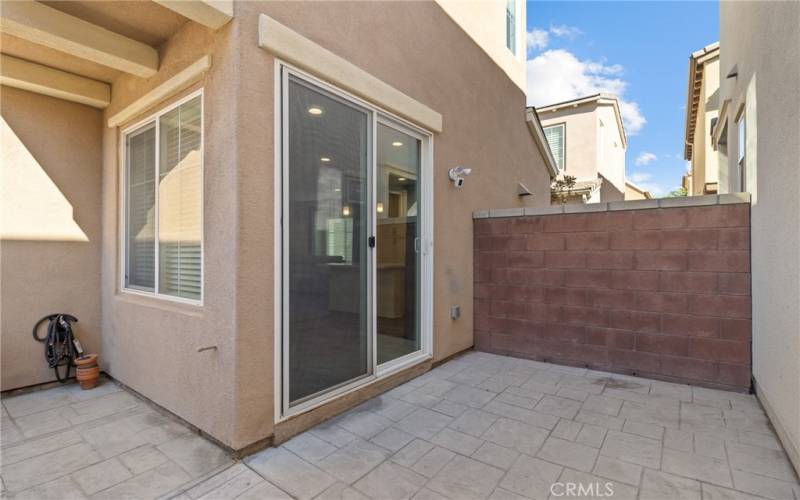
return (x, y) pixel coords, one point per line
(450, 408)
(433, 461)
(762, 461)
(216, 480)
(523, 415)
(44, 468)
(424, 423)
(745, 421)
(341, 491)
(195, 455)
(419, 398)
(45, 422)
(104, 405)
(596, 487)
(569, 454)
(602, 404)
(503, 494)
(437, 387)
(679, 440)
(470, 396)
(9, 432)
(634, 449)
(516, 435)
(521, 401)
(426, 494)
(333, 434)
(364, 424)
(711, 492)
(496, 455)
(559, 407)
(618, 470)
(652, 431)
(63, 488)
(531, 477)
(650, 414)
(393, 439)
(681, 392)
(466, 478)
(591, 435)
(234, 486)
(567, 429)
(572, 393)
(696, 416)
(474, 422)
(290, 473)
(607, 421)
(760, 439)
(151, 484)
(542, 388)
(412, 452)
(100, 476)
(708, 469)
(37, 401)
(353, 460)
(309, 447)
(390, 481)
(709, 445)
(659, 485)
(104, 386)
(17, 452)
(765, 486)
(457, 441)
(266, 491)
(393, 409)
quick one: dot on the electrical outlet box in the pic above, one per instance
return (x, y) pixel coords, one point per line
(455, 312)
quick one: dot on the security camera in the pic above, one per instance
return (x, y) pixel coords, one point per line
(458, 174)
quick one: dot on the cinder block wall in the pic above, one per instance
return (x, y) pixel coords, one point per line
(646, 288)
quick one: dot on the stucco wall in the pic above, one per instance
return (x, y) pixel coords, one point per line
(580, 143)
(51, 233)
(762, 41)
(611, 155)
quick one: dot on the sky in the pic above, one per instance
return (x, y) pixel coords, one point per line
(637, 50)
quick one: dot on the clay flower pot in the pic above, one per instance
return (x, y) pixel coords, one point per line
(88, 371)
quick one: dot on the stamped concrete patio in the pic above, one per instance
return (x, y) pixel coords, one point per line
(480, 426)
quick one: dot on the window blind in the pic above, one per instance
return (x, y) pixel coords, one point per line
(555, 139)
(140, 210)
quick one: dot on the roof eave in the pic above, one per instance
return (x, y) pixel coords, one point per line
(535, 127)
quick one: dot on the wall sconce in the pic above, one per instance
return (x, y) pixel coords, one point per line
(346, 211)
(379, 208)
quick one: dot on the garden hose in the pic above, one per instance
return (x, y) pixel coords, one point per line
(59, 343)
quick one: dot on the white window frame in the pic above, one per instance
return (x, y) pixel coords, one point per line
(563, 126)
(511, 34)
(741, 149)
(375, 372)
(154, 119)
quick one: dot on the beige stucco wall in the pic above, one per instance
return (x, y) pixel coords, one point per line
(485, 22)
(705, 159)
(633, 194)
(611, 155)
(763, 42)
(228, 393)
(50, 233)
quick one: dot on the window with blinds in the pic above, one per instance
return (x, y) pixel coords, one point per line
(164, 207)
(511, 26)
(555, 139)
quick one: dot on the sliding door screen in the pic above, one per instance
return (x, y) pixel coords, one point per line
(327, 213)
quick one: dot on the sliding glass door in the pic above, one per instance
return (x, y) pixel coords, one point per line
(352, 242)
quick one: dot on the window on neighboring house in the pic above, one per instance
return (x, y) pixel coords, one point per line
(555, 139)
(742, 148)
(163, 193)
(511, 26)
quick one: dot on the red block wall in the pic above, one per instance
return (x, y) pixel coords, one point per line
(661, 293)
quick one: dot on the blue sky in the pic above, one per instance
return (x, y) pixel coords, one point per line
(638, 50)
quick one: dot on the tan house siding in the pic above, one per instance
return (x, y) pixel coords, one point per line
(704, 159)
(762, 41)
(54, 267)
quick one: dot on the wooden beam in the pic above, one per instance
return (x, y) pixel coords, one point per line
(43, 25)
(41, 79)
(175, 84)
(213, 14)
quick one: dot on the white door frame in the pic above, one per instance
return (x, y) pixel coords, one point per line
(281, 250)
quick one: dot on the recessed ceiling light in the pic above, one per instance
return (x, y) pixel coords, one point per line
(401, 179)
(315, 110)
(337, 190)
(345, 210)
(397, 144)
(325, 159)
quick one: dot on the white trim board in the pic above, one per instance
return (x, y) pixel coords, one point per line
(173, 85)
(299, 50)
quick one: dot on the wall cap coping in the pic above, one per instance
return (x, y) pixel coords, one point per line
(685, 201)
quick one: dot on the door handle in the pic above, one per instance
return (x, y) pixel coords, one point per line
(417, 244)
(371, 241)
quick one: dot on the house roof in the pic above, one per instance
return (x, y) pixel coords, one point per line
(535, 126)
(600, 98)
(697, 62)
(641, 190)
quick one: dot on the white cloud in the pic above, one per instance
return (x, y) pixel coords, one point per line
(558, 75)
(537, 39)
(644, 181)
(564, 30)
(645, 157)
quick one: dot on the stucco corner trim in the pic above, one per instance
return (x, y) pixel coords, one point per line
(296, 49)
(175, 84)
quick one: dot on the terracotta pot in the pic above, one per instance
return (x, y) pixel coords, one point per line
(88, 371)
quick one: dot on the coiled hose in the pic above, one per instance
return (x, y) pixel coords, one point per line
(59, 343)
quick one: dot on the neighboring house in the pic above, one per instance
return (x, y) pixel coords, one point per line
(634, 192)
(588, 142)
(238, 200)
(702, 111)
(758, 138)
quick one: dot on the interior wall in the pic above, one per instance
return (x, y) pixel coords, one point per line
(761, 41)
(50, 234)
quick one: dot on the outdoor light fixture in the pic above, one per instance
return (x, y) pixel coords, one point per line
(314, 110)
(397, 144)
(325, 159)
(458, 174)
(379, 208)
(401, 179)
(346, 211)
